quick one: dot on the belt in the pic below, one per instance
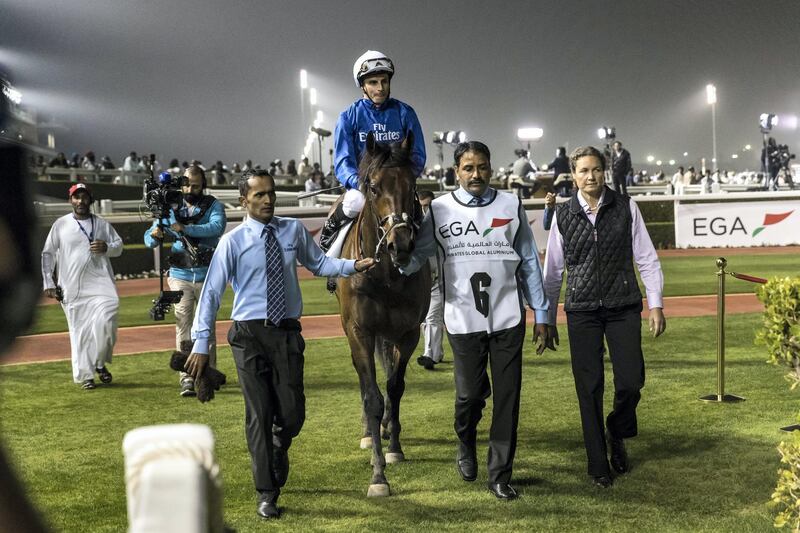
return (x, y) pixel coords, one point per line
(291, 324)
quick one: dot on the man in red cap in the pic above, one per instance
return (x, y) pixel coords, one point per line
(77, 271)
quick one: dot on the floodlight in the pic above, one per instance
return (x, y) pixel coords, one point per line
(319, 131)
(650, 158)
(303, 79)
(767, 121)
(530, 134)
(312, 96)
(711, 94)
(607, 132)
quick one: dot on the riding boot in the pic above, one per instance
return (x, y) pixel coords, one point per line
(331, 228)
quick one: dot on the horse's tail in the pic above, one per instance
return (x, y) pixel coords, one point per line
(385, 352)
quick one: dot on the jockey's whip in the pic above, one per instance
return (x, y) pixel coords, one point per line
(314, 193)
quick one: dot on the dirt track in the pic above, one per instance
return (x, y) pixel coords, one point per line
(55, 346)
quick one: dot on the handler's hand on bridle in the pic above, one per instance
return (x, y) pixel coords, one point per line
(364, 264)
(657, 321)
(196, 364)
(50, 293)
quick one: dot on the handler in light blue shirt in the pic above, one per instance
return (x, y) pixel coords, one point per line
(265, 337)
(239, 259)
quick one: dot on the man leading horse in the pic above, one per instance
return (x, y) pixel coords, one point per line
(488, 261)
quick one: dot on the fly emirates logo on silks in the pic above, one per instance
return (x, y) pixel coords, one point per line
(382, 135)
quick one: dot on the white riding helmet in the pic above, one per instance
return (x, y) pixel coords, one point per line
(371, 62)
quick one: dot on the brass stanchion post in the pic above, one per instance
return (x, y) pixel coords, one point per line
(720, 396)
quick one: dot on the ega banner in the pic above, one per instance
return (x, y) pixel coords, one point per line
(737, 224)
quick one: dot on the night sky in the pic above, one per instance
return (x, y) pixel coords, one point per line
(220, 80)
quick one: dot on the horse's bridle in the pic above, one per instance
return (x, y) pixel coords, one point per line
(404, 220)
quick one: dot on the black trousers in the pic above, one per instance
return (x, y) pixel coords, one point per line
(622, 330)
(619, 183)
(471, 353)
(269, 361)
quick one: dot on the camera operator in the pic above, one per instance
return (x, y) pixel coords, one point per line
(770, 164)
(200, 221)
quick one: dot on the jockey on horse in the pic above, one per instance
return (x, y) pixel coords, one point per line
(387, 118)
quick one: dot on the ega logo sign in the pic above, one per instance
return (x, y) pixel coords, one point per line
(457, 228)
(704, 227)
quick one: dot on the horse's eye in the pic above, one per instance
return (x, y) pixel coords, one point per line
(373, 187)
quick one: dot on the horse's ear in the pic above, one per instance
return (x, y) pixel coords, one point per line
(408, 142)
(371, 143)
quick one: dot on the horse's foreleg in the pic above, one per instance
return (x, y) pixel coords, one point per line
(366, 436)
(385, 351)
(395, 387)
(364, 363)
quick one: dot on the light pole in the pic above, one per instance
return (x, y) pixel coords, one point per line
(440, 138)
(608, 134)
(767, 121)
(711, 98)
(303, 87)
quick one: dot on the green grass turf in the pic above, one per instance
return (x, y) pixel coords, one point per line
(135, 310)
(683, 276)
(695, 466)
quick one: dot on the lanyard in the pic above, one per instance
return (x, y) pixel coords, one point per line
(89, 236)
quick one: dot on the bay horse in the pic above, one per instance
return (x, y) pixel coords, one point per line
(382, 309)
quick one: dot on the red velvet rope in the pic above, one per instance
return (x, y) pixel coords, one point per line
(745, 277)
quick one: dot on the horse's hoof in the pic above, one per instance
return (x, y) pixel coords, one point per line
(378, 490)
(366, 443)
(394, 457)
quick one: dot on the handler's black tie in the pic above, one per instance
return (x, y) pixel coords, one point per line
(276, 297)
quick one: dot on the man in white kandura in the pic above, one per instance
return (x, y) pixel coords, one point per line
(77, 271)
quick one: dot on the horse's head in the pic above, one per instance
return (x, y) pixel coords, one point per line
(390, 188)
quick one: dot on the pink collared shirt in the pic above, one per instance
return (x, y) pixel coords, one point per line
(644, 254)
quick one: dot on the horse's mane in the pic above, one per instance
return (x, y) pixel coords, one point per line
(386, 155)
